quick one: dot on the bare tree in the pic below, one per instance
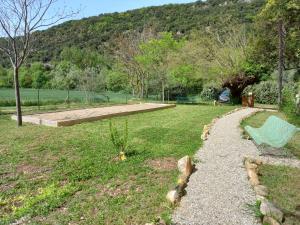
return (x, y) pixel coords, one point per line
(126, 49)
(18, 20)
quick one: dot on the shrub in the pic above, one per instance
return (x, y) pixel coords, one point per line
(265, 92)
(120, 141)
(289, 98)
(210, 92)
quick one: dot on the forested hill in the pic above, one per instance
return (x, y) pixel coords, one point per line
(99, 31)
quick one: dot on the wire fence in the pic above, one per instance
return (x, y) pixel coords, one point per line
(38, 97)
(43, 97)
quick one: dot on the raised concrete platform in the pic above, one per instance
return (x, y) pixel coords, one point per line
(69, 118)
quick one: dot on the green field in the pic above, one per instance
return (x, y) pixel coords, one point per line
(29, 97)
(71, 176)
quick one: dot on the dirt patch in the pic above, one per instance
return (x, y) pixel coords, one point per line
(30, 169)
(163, 164)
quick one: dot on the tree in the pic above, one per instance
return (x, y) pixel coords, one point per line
(18, 20)
(279, 18)
(155, 55)
(126, 50)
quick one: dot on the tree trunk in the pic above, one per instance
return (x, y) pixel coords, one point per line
(147, 88)
(280, 59)
(142, 86)
(18, 97)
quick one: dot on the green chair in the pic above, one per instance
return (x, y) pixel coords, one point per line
(275, 132)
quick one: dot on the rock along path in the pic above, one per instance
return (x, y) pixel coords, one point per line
(219, 192)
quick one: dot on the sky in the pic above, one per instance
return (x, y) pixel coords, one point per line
(96, 7)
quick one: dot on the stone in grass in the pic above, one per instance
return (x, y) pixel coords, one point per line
(253, 178)
(268, 209)
(270, 221)
(261, 190)
(173, 196)
(185, 166)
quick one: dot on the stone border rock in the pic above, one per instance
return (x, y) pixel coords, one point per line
(186, 168)
(272, 215)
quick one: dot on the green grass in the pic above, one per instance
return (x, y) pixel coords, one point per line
(284, 187)
(71, 175)
(259, 118)
(30, 97)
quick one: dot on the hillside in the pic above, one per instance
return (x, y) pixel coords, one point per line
(98, 32)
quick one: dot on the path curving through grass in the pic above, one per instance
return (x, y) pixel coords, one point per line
(219, 191)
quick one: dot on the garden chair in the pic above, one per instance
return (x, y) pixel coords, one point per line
(275, 132)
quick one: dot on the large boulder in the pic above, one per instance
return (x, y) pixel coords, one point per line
(185, 166)
(270, 210)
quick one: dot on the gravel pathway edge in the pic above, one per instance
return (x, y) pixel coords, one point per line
(219, 191)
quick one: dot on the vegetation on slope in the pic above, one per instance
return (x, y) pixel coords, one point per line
(98, 33)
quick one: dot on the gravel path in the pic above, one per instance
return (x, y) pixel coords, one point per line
(219, 191)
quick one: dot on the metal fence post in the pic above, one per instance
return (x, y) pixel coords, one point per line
(38, 97)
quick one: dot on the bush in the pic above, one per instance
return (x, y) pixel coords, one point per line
(289, 98)
(265, 92)
(210, 92)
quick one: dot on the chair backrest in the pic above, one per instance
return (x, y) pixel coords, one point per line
(278, 131)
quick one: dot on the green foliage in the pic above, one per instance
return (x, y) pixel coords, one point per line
(117, 80)
(120, 141)
(261, 72)
(255, 208)
(265, 43)
(99, 32)
(83, 58)
(289, 98)
(65, 76)
(210, 92)
(5, 79)
(265, 92)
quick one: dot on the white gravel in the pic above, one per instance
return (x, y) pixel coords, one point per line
(219, 191)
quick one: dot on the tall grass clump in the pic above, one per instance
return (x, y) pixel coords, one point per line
(119, 140)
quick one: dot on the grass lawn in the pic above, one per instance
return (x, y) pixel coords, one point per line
(259, 118)
(70, 175)
(284, 188)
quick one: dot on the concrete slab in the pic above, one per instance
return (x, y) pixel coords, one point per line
(69, 118)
